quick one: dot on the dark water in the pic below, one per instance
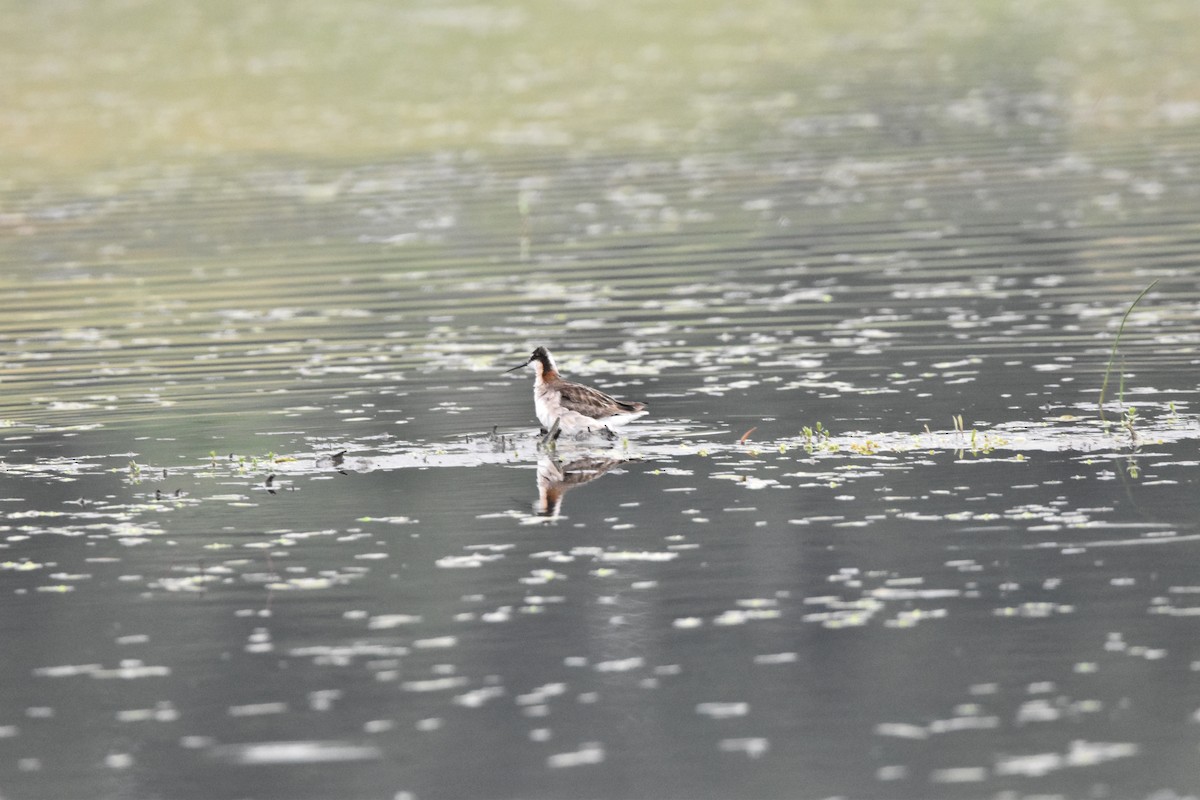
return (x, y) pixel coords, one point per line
(270, 509)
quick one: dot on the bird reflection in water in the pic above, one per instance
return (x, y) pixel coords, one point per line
(555, 479)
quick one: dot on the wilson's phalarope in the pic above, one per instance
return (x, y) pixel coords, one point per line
(572, 407)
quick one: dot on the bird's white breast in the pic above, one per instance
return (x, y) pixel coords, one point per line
(545, 405)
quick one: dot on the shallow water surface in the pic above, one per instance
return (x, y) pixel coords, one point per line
(276, 524)
(295, 536)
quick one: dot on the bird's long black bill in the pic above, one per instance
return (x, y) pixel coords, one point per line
(517, 367)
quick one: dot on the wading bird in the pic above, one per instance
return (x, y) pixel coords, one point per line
(563, 406)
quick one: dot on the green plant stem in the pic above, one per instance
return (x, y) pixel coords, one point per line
(1113, 353)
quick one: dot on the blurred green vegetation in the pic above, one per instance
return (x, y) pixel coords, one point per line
(87, 85)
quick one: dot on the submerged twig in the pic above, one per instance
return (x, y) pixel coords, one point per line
(1117, 341)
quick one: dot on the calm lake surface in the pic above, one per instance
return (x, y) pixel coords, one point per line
(273, 523)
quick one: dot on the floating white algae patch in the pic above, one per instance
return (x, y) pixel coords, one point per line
(296, 752)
